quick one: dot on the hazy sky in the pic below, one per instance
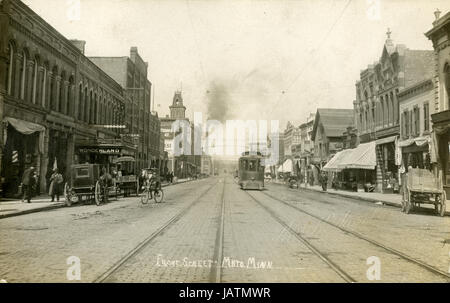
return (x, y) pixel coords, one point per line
(269, 59)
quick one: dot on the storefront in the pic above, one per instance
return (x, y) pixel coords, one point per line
(353, 169)
(103, 153)
(441, 130)
(415, 153)
(387, 164)
(24, 144)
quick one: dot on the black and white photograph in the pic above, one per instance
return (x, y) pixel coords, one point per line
(240, 141)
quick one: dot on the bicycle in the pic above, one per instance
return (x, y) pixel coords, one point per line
(152, 190)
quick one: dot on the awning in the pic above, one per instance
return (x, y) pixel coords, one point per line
(27, 128)
(419, 141)
(332, 165)
(361, 157)
(386, 140)
(24, 127)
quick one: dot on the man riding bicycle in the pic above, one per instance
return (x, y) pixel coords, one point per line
(152, 181)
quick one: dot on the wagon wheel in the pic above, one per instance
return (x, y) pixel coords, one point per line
(158, 193)
(67, 194)
(409, 203)
(440, 206)
(98, 193)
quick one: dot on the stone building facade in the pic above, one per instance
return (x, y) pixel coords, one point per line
(415, 124)
(440, 37)
(182, 160)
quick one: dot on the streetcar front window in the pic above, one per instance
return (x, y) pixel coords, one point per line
(252, 165)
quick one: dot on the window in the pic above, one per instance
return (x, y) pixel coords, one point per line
(426, 117)
(80, 103)
(10, 69)
(415, 122)
(35, 84)
(23, 68)
(447, 83)
(406, 123)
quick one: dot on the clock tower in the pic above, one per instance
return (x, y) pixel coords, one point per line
(177, 109)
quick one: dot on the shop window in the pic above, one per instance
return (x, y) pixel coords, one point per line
(82, 172)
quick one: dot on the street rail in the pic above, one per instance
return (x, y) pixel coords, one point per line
(345, 276)
(400, 254)
(216, 271)
(103, 277)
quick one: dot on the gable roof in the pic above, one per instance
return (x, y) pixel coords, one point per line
(334, 120)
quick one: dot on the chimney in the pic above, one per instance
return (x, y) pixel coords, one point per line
(80, 44)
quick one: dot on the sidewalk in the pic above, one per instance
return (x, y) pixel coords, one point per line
(11, 207)
(386, 199)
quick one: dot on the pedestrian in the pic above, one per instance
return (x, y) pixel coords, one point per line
(324, 180)
(171, 177)
(28, 183)
(56, 181)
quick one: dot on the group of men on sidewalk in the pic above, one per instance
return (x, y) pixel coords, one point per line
(29, 182)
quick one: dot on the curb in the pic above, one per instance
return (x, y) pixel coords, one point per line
(371, 200)
(33, 210)
(62, 204)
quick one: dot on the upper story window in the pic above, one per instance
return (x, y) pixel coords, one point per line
(426, 117)
(447, 83)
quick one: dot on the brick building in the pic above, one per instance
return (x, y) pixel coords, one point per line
(377, 107)
(52, 98)
(141, 123)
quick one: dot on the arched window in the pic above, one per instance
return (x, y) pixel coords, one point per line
(95, 109)
(60, 104)
(382, 111)
(43, 84)
(10, 70)
(69, 97)
(80, 102)
(53, 93)
(23, 75)
(85, 104)
(104, 111)
(447, 83)
(386, 107)
(393, 111)
(35, 89)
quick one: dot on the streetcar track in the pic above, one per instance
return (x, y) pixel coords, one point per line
(149, 239)
(345, 276)
(357, 235)
(216, 271)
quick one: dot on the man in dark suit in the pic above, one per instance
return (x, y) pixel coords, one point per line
(28, 183)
